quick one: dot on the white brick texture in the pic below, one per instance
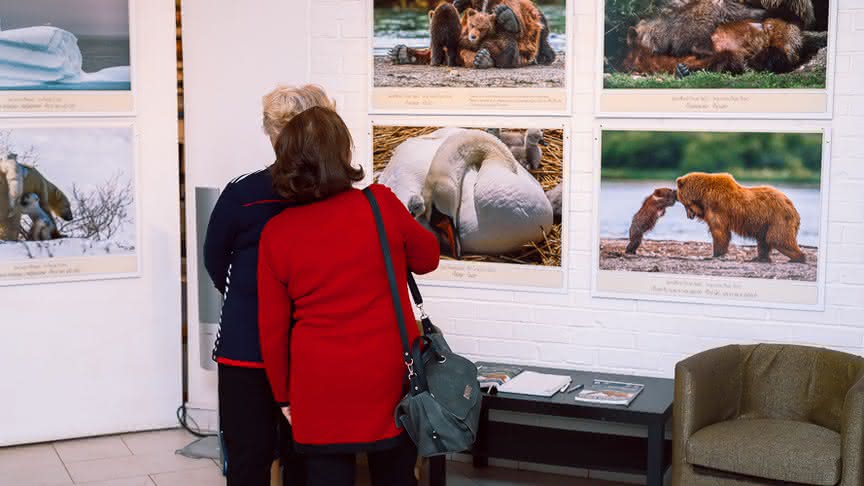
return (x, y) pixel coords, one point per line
(574, 330)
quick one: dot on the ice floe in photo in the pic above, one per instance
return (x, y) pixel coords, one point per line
(49, 58)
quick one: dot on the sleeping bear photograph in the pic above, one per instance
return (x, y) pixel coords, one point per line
(469, 43)
(67, 196)
(487, 194)
(715, 44)
(725, 204)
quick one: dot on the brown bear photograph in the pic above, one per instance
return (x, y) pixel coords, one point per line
(469, 43)
(718, 204)
(490, 195)
(715, 44)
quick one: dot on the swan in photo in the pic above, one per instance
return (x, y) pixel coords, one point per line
(466, 186)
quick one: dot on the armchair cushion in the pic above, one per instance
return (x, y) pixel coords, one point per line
(782, 450)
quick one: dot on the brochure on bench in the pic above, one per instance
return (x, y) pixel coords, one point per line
(493, 376)
(610, 392)
(533, 383)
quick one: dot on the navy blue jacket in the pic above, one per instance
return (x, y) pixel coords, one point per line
(231, 258)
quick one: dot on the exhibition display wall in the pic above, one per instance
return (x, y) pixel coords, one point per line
(89, 257)
(620, 255)
(225, 77)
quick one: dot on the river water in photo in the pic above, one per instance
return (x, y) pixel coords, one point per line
(620, 200)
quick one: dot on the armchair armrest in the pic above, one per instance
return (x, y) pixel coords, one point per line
(708, 389)
(852, 432)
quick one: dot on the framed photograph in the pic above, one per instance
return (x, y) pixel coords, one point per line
(704, 58)
(68, 202)
(65, 57)
(476, 56)
(712, 216)
(494, 196)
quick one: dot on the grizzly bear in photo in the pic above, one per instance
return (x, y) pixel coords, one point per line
(653, 208)
(508, 34)
(503, 49)
(772, 45)
(515, 17)
(445, 29)
(762, 213)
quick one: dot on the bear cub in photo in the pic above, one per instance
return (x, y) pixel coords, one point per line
(653, 208)
(445, 29)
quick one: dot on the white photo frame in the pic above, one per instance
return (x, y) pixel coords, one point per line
(472, 101)
(85, 267)
(726, 103)
(669, 287)
(488, 275)
(84, 103)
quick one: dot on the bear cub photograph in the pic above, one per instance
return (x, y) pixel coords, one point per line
(469, 43)
(711, 203)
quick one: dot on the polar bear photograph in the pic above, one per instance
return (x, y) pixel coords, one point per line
(488, 194)
(66, 193)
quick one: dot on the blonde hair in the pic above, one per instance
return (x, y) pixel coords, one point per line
(285, 102)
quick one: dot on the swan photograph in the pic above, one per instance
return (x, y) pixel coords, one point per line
(62, 45)
(67, 203)
(712, 204)
(490, 195)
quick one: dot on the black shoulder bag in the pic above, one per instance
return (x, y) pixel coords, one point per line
(441, 411)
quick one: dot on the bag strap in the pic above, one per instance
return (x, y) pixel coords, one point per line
(394, 288)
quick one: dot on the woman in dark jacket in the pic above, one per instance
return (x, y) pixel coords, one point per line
(249, 417)
(323, 293)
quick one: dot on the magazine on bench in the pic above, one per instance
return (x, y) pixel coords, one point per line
(610, 393)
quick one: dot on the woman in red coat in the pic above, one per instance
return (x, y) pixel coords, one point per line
(329, 336)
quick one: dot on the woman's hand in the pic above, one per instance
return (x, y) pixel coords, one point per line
(286, 411)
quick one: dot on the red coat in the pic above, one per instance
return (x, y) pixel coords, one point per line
(321, 264)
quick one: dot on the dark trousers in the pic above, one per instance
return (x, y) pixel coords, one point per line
(254, 429)
(391, 467)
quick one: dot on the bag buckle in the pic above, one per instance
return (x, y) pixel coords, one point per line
(410, 366)
(423, 314)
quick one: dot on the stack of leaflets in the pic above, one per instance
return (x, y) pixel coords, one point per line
(493, 376)
(610, 393)
(538, 384)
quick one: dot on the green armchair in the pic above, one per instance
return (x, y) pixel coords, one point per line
(769, 414)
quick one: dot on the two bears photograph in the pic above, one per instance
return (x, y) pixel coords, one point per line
(66, 193)
(488, 194)
(715, 44)
(716, 204)
(469, 43)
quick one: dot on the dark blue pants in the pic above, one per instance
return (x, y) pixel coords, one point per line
(254, 430)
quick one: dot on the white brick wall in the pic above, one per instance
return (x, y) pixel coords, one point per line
(575, 330)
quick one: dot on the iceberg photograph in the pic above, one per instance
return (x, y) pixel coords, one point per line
(58, 45)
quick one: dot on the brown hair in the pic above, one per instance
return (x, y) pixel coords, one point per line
(313, 157)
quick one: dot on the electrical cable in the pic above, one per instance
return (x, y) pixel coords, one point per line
(183, 416)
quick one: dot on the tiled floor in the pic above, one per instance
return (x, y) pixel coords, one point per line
(148, 459)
